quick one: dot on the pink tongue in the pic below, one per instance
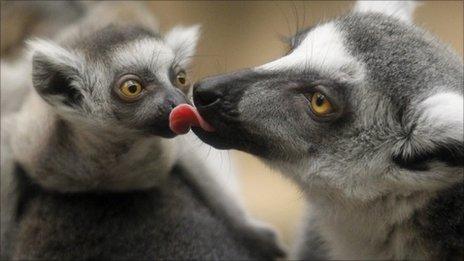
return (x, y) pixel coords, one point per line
(184, 116)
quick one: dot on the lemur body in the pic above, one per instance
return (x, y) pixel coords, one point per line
(88, 171)
(365, 114)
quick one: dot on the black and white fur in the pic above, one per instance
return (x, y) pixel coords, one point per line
(87, 176)
(383, 176)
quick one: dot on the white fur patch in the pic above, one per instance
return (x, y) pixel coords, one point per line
(183, 41)
(56, 54)
(146, 52)
(402, 10)
(444, 111)
(322, 50)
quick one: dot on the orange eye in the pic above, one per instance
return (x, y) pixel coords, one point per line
(320, 105)
(130, 90)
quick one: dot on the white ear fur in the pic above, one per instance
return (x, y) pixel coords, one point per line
(54, 53)
(402, 10)
(183, 41)
(436, 126)
(442, 117)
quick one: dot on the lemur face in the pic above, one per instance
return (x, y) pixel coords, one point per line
(364, 102)
(119, 76)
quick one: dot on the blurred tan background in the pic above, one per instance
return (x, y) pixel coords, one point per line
(245, 34)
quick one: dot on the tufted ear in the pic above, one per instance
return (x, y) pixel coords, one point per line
(55, 73)
(402, 10)
(183, 41)
(436, 133)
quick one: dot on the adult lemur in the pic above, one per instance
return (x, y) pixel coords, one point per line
(87, 171)
(366, 115)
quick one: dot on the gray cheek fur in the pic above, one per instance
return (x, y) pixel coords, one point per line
(283, 139)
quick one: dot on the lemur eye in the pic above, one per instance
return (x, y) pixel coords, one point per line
(320, 105)
(181, 79)
(130, 89)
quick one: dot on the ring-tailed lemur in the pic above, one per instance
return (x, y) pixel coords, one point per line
(366, 115)
(85, 170)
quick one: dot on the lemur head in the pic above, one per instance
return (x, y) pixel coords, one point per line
(115, 74)
(364, 104)
(106, 87)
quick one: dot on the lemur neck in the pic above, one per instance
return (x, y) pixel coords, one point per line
(91, 139)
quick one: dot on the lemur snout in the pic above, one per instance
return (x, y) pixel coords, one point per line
(205, 93)
(226, 88)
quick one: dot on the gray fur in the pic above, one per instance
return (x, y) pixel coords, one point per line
(374, 171)
(83, 170)
(170, 222)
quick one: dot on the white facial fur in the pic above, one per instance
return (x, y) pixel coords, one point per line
(143, 51)
(322, 50)
(178, 46)
(153, 53)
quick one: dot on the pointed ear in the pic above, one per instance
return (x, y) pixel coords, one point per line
(183, 41)
(55, 73)
(402, 10)
(436, 133)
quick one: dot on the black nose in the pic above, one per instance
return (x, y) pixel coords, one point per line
(205, 94)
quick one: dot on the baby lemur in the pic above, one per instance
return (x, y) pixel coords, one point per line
(87, 169)
(365, 114)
